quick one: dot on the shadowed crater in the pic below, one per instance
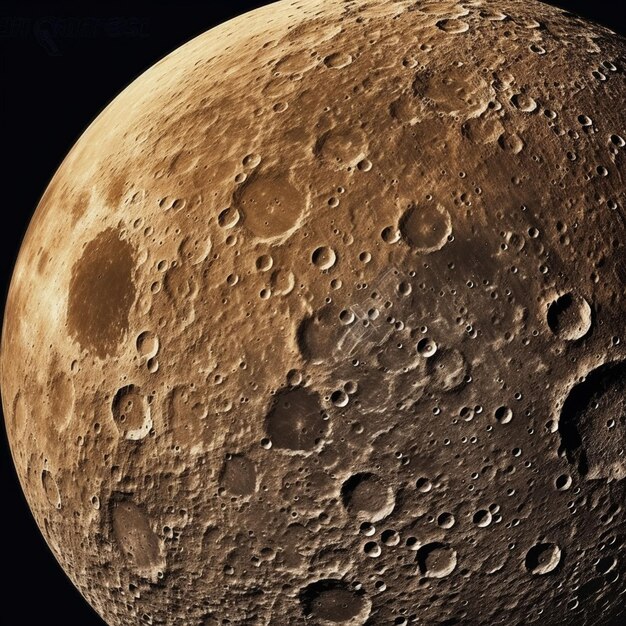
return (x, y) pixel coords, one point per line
(593, 423)
(543, 558)
(333, 601)
(365, 495)
(296, 420)
(570, 317)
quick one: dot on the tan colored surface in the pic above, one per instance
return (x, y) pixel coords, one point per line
(300, 326)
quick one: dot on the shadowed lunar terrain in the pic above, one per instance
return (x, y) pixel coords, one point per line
(321, 322)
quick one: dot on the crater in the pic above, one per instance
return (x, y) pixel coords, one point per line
(592, 424)
(131, 413)
(448, 370)
(185, 410)
(364, 495)
(296, 420)
(319, 335)
(334, 601)
(436, 560)
(569, 317)
(138, 543)
(459, 91)
(426, 228)
(341, 147)
(542, 559)
(337, 60)
(453, 26)
(270, 204)
(147, 344)
(51, 488)
(20, 411)
(181, 284)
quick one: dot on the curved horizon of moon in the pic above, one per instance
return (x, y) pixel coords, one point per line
(321, 321)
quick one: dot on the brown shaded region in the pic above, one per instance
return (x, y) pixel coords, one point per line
(80, 204)
(115, 190)
(101, 293)
(296, 422)
(135, 538)
(238, 475)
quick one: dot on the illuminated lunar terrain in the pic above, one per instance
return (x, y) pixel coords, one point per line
(321, 321)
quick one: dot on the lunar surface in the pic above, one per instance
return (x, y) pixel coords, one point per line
(321, 321)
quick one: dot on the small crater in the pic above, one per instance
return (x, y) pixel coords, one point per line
(524, 102)
(542, 558)
(337, 60)
(20, 411)
(270, 204)
(333, 601)
(185, 411)
(446, 520)
(282, 281)
(341, 148)
(296, 420)
(181, 284)
(131, 413)
(324, 257)
(390, 537)
(482, 518)
(459, 91)
(366, 496)
(147, 344)
(52, 490)
(319, 335)
(228, 218)
(339, 398)
(436, 560)
(423, 485)
(426, 347)
(563, 482)
(606, 564)
(453, 26)
(569, 317)
(493, 15)
(511, 142)
(264, 263)
(426, 228)
(296, 62)
(372, 549)
(195, 248)
(503, 414)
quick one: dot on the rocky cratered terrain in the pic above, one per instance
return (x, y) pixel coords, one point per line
(322, 322)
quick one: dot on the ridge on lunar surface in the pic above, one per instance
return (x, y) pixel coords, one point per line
(321, 321)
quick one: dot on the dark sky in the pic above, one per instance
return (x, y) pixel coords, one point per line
(53, 84)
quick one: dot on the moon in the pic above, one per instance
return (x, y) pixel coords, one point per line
(321, 321)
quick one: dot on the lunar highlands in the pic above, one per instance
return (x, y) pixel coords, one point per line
(321, 321)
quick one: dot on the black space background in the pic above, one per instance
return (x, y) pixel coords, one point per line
(53, 82)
